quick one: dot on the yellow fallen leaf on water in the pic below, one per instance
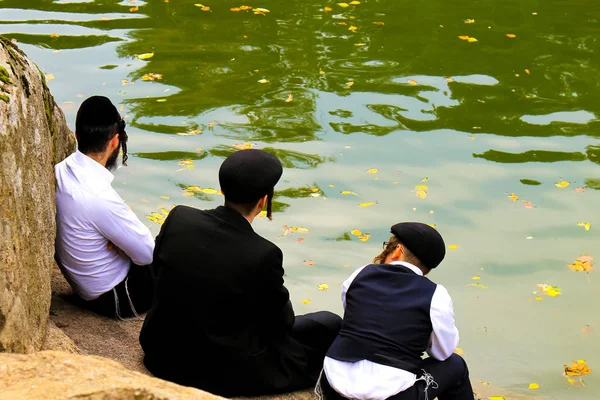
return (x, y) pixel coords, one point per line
(586, 225)
(360, 44)
(350, 84)
(476, 278)
(364, 238)
(422, 187)
(582, 264)
(263, 81)
(534, 386)
(49, 77)
(477, 285)
(289, 98)
(323, 286)
(301, 229)
(469, 21)
(314, 190)
(432, 225)
(193, 188)
(496, 398)
(372, 171)
(458, 351)
(331, 186)
(354, 3)
(243, 146)
(164, 211)
(104, 19)
(463, 37)
(145, 56)
(328, 9)
(54, 35)
(134, 9)
(165, 197)
(511, 35)
(245, 8)
(471, 40)
(262, 214)
(369, 204)
(348, 192)
(352, 28)
(513, 197)
(188, 193)
(453, 246)
(552, 291)
(356, 232)
(161, 100)
(151, 76)
(577, 368)
(485, 383)
(378, 23)
(343, 5)
(412, 82)
(422, 194)
(308, 263)
(306, 301)
(527, 72)
(209, 191)
(562, 184)
(258, 10)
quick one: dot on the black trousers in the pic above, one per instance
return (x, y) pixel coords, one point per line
(451, 382)
(316, 332)
(138, 287)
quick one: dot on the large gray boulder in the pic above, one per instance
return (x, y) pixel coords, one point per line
(33, 137)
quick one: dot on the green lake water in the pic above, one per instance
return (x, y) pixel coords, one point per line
(402, 93)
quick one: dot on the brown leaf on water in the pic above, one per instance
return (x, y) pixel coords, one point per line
(299, 240)
(582, 264)
(308, 263)
(588, 330)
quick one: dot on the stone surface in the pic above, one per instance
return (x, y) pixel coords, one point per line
(33, 137)
(56, 339)
(54, 375)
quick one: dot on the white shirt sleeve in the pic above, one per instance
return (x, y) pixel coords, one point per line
(444, 337)
(347, 283)
(118, 224)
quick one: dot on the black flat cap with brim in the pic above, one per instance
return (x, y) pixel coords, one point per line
(423, 241)
(97, 111)
(248, 175)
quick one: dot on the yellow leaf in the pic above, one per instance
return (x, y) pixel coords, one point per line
(54, 35)
(188, 193)
(369, 204)
(356, 232)
(301, 229)
(199, 5)
(458, 351)
(354, 3)
(348, 192)
(562, 184)
(331, 186)
(349, 84)
(549, 290)
(243, 146)
(379, 23)
(343, 5)
(578, 368)
(471, 40)
(262, 214)
(422, 194)
(209, 191)
(328, 9)
(476, 278)
(308, 263)
(534, 386)
(352, 28)
(372, 171)
(205, 8)
(412, 82)
(49, 77)
(323, 286)
(235, 9)
(513, 197)
(463, 37)
(477, 285)
(539, 298)
(511, 35)
(145, 56)
(263, 81)
(289, 98)
(586, 225)
(104, 19)
(453, 247)
(469, 21)
(261, 10)
(161, 100)
(527, 72)
(134, 9)
(164, 211)
(194, 188)
(360, 44)
(496, 398)
(364, 238)
(306, 301)
(165, 197)
(422, 187)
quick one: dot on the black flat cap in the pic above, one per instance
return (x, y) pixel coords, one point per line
(248, 175)
(423, 241)
(97, 111)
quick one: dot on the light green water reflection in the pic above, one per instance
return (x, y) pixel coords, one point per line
(480, 120)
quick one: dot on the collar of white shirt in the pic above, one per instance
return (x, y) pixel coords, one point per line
(83, 161)
(413, 268)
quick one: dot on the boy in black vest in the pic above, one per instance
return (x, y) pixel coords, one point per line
(393, 314)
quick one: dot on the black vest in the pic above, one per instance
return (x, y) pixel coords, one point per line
(387, 318)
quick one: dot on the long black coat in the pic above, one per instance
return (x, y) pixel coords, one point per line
(221, 316)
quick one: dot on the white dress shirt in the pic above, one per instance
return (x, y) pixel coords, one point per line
(366, 380)
(89, 215)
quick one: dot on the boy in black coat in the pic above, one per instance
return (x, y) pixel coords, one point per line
(222, 320)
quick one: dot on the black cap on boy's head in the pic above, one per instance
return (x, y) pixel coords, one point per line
(421, 240)
(98, 120)
(248, 175)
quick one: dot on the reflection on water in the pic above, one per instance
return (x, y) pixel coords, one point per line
(492, 127)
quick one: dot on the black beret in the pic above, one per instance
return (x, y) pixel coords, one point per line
(248, 175)
(97, 111)
(423, 241)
